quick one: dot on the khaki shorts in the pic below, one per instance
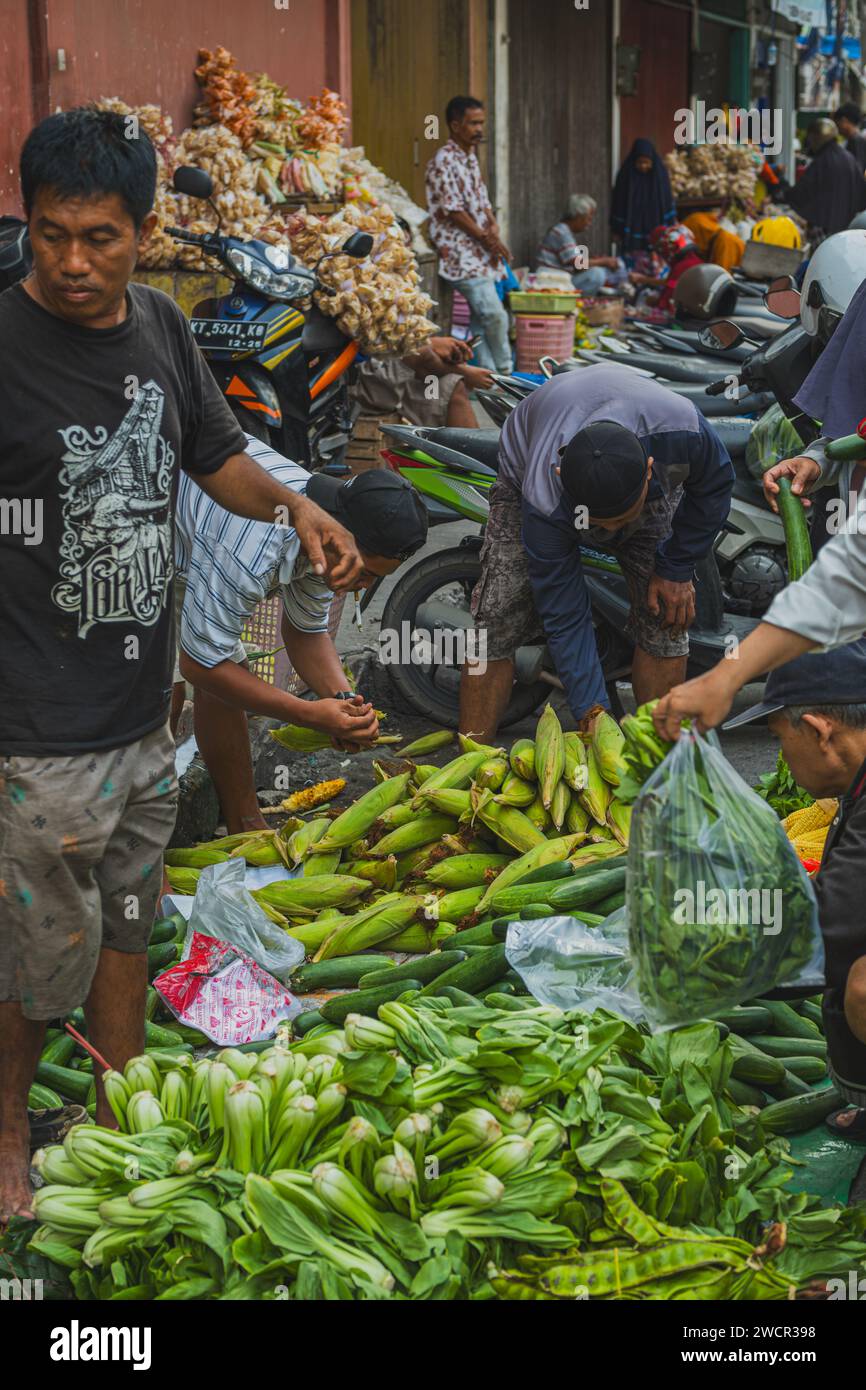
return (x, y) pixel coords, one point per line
(386, 386)
(503, 604)
(81, 846)
(239, 654)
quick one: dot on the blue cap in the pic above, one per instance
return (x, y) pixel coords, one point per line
(818, 678)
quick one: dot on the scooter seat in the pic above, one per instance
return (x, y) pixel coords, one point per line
(482, 445)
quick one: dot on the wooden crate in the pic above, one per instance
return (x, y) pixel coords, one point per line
(367, 443)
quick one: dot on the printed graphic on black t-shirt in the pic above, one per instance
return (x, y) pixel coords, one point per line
(116, 552)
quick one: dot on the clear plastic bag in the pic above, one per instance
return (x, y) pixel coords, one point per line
(773, 439)
(719, 908)
(568, 965)
(223, 908)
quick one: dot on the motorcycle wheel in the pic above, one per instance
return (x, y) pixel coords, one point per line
(433, 689)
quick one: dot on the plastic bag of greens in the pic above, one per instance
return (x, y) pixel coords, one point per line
(568, 965)
(720, 910)
(773, 439)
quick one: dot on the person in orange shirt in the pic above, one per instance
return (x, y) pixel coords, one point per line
(715, 244)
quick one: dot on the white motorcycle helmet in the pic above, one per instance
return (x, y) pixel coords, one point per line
(836, 271)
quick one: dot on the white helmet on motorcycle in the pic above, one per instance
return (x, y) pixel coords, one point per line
(705, 292)
(836, 271)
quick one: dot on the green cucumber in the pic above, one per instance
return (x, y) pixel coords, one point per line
(611, 904)
(810, 1069)
(797, 539)
(157, 1036)
(787, 1022)
(482, 935)
(160, 957)
(800, 1113)
(789, 1086)
(163, 931)
(425, 969)
(60, 1050)
(501, 996)
(538, 911)
(588, 889)
(43, 1098)
(812, 1011)
(72, 1085)
(514, 899)
(304, 1023)
(758, 1069)
(366, 1001)
(474, 974)
(342, 972)
(744, 1094)
(152, 1004)
(748, 1018)
(459, 997)
(547, 872)
(260, 1045)
(789, 1047)
(183, 1033)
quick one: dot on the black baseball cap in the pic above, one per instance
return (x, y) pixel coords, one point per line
(818, 678)
(604, 468)
(382, 511)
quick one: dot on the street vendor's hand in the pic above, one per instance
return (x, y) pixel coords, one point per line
(350, 724)
(673, 601)
(803, 472)
(477, 378)
(451, 351)
(706, 701)
(331, 549)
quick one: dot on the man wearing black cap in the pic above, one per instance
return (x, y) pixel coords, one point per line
(226, 566)
(604, 458)
(817, 709)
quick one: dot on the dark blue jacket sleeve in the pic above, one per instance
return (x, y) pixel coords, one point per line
(705, 504)
(562, 600)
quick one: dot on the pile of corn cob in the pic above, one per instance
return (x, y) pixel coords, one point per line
(413, 859)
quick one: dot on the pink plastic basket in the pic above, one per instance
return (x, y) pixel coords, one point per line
(542, 335)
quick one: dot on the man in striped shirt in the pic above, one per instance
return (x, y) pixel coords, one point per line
(226, 566)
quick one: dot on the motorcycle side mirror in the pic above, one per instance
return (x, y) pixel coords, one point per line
(359, 246)
(195, 183)
(783, 298)
(721, 335)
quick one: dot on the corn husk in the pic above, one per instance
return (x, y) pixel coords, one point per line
(607, 745)
(549, 755)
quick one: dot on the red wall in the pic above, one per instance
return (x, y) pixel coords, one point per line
(663, 36)
(146, 51)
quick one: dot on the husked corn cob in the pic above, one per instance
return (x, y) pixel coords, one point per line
(326, 890)
(465, 870)
(522, 759)
(560, 804)
(430, 743)
(515, 792)
(818, 816)
(596, 796)
(424, 830)
(575, 762)
(454, 776)
(194, 858)
(311, 797)
(608, 743)
(184, 881)
(619, 820)
(549, 755)
(360, 816)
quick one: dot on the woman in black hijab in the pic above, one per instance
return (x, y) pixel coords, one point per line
(642, 198)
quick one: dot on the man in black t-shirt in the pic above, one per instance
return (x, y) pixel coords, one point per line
(104, 397)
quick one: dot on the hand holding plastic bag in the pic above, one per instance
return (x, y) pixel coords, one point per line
(224, 909)
(720, 910)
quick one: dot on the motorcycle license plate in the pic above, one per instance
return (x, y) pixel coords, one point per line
(234, 337)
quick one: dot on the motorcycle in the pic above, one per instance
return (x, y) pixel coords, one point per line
(285, 371)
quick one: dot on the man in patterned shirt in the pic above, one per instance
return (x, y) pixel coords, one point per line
(465, 232)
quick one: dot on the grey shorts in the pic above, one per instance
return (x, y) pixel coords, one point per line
(81, 846)
(387, 386)
(503, 603)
